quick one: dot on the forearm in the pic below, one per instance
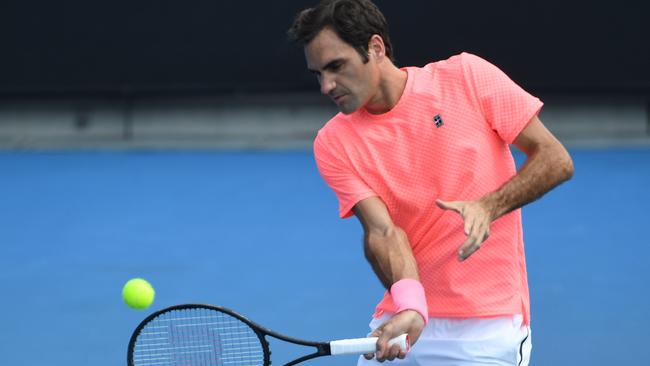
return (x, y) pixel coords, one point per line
(388, 250)
(545, 168)
(389, 253)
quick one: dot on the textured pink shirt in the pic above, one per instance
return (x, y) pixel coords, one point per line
(446, 138)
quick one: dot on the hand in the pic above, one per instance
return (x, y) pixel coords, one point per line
(407, 321)
(477, 217)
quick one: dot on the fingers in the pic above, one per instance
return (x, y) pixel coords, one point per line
(394, 352)
(376, 333)
(476, 224)
(385, 352)
(468, 248)
(459, 207)
(469, 225)
(478, 233)
(451, 205)
(409, 322)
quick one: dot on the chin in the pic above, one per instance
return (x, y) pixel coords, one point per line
(348, 109)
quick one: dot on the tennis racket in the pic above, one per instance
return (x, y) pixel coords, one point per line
(195, 334)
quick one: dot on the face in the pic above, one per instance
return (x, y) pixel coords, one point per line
(340, 70)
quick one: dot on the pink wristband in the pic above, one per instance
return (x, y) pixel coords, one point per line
(408, 294)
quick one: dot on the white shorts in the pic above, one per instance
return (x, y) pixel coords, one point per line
(463, 342)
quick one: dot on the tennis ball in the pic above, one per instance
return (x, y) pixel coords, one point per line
(138, 293)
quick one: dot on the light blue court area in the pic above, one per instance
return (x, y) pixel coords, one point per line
(258, 232)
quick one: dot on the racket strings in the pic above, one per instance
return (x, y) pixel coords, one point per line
(197, 336)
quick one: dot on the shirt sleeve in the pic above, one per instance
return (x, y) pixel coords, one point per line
(506, 106)
(348, 186)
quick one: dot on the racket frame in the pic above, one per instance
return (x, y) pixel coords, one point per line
(322, 348)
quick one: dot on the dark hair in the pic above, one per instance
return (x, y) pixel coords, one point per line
(354, 21)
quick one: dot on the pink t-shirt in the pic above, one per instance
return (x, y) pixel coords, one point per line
(446, 138)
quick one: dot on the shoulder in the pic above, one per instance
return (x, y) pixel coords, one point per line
(329, 136)
(441, 70)
(476, 66)
(457, 65)
(470, 59)
(448, 74)
(332, 127)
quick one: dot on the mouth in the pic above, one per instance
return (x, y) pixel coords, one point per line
(337, 99)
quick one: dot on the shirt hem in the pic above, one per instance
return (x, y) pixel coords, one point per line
(347, 211)
(533, 111)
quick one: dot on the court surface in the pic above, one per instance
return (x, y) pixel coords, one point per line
(258, 232)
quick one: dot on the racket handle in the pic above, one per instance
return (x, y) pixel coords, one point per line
(359, 346)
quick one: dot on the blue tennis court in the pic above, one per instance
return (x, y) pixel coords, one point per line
(258, 232)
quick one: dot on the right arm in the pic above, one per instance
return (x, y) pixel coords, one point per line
(388, 250)
(386, 246)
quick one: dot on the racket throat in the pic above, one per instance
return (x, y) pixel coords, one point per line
(323, 349)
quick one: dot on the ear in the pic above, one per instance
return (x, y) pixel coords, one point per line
(376, 47)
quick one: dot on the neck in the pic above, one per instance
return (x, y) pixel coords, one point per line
(391, 86)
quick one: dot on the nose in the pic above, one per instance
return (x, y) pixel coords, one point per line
(327, 84)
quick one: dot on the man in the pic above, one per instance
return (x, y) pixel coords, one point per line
(421, 156)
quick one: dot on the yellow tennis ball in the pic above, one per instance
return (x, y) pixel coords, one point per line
(138, 293)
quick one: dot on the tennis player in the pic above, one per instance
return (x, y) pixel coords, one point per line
(421, 156)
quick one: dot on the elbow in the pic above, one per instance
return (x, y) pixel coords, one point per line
(368, 248)
(565, 167)
(376, 240)
(372, 244)
(559, 167)
(559, 162)
(556, 160)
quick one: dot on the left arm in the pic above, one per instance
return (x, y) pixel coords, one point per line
(547, 165)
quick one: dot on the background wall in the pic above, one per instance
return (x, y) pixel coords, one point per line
(125, 46)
